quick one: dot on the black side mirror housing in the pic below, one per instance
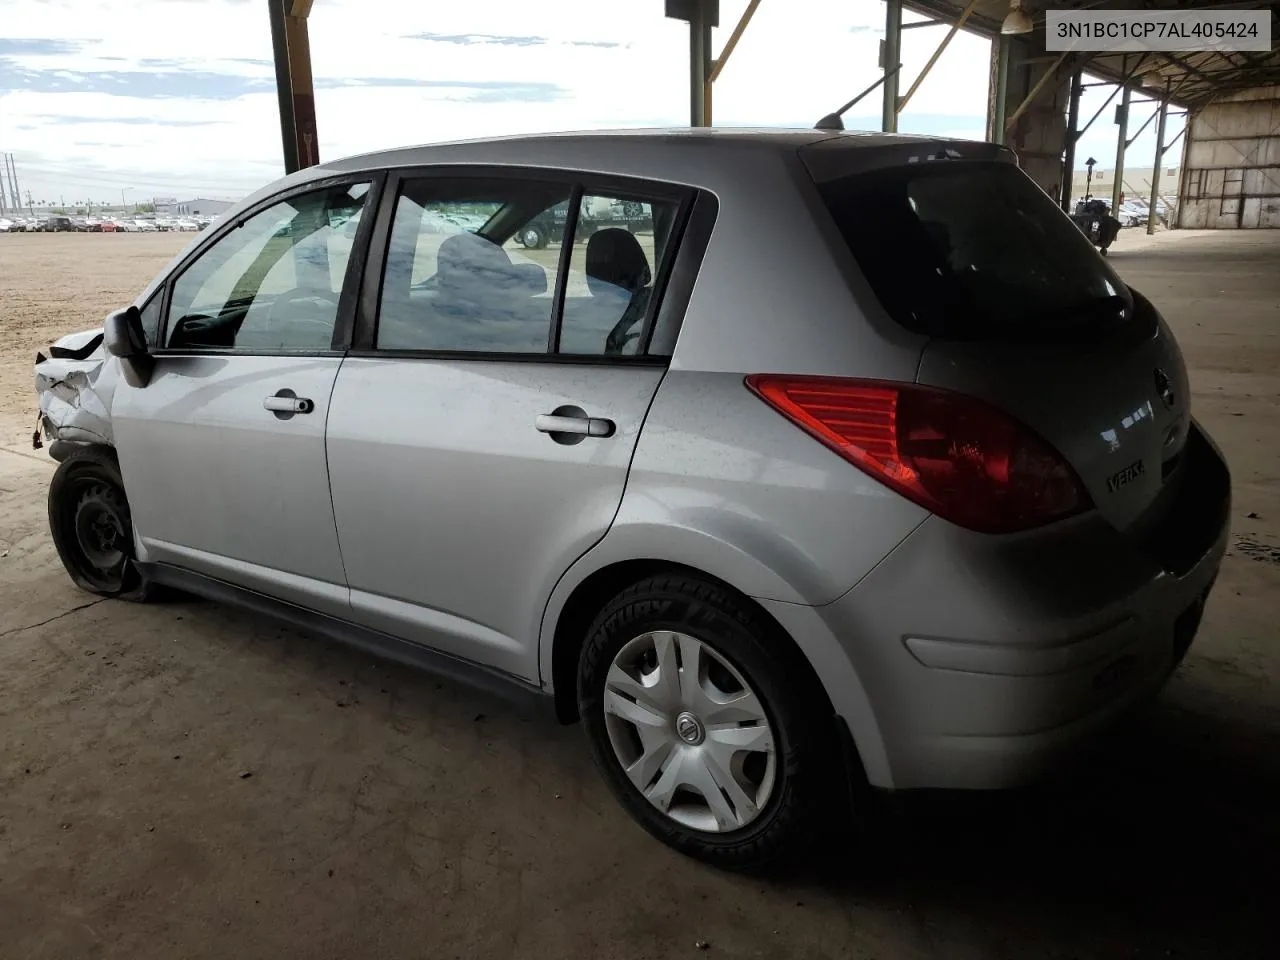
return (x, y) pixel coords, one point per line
(124, 338)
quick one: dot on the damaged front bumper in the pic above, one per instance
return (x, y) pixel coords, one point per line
(74, 386)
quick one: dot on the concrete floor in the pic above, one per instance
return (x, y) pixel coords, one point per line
(188, 781)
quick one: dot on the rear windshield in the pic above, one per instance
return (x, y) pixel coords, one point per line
(975, 251)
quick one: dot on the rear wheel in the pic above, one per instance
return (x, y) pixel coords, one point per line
(92, 527)
(702, 723)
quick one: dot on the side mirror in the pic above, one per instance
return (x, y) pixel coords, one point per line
(124, 338)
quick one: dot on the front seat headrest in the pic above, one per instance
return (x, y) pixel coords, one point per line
(530, 279)
(467, 261)
(615, 259)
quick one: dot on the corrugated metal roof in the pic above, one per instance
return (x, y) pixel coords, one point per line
(1194, 78)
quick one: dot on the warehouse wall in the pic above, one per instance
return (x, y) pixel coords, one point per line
(1231, 173)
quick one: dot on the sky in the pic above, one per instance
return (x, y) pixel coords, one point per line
(101, 99)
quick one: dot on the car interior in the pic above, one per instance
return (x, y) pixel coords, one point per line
(300, 318)
(478, 298)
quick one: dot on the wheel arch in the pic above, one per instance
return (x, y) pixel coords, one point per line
(613, 564)
(596, 589)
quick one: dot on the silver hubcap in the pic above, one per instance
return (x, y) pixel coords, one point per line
(689, 732)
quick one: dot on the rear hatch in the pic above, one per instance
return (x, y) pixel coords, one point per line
(959, 244)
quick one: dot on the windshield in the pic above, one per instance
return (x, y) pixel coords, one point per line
(975, 250)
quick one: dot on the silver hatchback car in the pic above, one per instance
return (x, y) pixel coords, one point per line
(784, 460)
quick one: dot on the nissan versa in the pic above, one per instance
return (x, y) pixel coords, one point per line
(804, 455)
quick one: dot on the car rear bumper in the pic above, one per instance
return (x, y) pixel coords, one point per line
(984, 659)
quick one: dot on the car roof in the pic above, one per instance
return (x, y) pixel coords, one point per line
(662, 153)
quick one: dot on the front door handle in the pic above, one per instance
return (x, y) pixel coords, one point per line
(572, 425)
(285, 403)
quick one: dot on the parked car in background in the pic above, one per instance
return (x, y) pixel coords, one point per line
(773, 513)
(145, 226)
(5, 225)
(1132, 214)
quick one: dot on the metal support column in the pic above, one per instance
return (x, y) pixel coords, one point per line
(701, 15)
(1069, 144)
(1122, 120)
(295, 92)
(1029, 99)
(699, 54)
(891, 57)
(1185, 171)
(303, 88)
(1004, 49)
(1155, 170)
(284, 85)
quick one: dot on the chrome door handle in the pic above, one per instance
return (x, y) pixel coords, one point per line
(574, 426)
(288, 404)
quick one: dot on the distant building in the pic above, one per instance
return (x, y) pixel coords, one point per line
(165, 206)
(203, 208)
(1136, 183)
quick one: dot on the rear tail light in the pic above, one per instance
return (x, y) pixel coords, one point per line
(954, 455)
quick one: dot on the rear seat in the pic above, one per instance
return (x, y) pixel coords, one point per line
(481, 301)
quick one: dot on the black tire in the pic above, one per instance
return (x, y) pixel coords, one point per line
(92, 527)
(806, 754)
(533, 236)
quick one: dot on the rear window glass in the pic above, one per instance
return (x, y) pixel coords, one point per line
(975, 251)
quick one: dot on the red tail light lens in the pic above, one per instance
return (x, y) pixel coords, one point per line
(954, 455)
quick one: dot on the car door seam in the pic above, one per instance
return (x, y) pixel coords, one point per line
(544, 681)
(328, 477)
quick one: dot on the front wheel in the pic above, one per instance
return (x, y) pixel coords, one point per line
(702, 722)
(533, 237)
(92, 527)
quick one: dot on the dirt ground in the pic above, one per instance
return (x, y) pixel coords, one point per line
(185, 780)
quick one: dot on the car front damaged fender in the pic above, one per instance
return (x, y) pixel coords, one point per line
(74, 387)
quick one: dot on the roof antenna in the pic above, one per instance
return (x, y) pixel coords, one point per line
(832, 121)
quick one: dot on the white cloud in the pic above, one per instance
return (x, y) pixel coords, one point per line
(175, 96)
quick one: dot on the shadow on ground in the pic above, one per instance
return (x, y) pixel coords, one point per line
(1161, 843)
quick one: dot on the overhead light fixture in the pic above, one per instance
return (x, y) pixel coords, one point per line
(1153, 79)
(1018, 21)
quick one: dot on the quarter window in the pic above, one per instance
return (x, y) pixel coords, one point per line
(273, 283)
(471, 266)
(619, 243)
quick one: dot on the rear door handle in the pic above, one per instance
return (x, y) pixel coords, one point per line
(571, 425)
(287, 402)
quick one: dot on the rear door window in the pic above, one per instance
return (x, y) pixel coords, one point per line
(975, 251)
(455, 281)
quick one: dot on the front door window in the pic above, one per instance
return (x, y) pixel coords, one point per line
(273, 283)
